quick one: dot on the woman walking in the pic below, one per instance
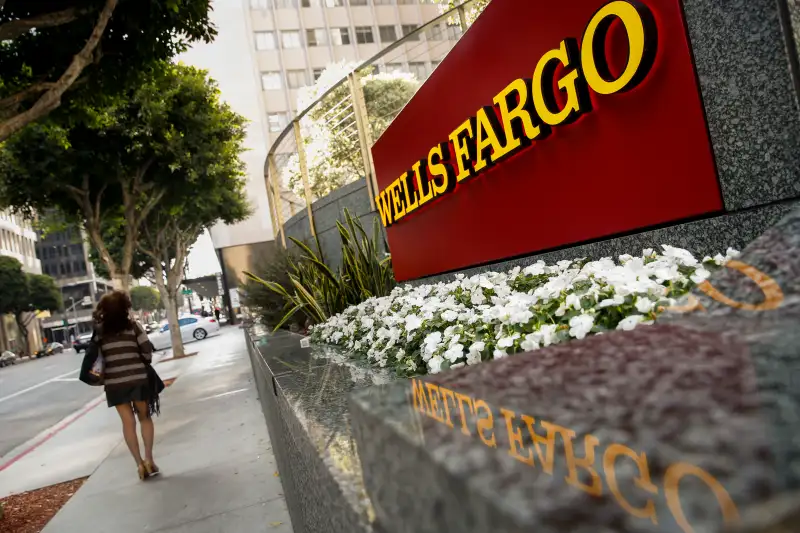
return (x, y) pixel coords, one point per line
(126, 351)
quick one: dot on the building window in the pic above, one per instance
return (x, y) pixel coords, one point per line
(418, 69)
(408, 28)
(394, 68)
(311, 3)
(334, 3)
(296, 79)
(258, 4)
(453, 32)
(434, 33)
(290, 39)
(265, 40)
(316, 37)
(276, 121)
(358, 2)
(285, 3)
(388, 34)
(318, 72)
(435, 64)
(408, 2)
(383, 2)
(62, 269)
(364, 35)
(340, 36)
(271, 80)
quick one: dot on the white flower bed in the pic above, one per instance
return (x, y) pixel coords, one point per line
(429, 328)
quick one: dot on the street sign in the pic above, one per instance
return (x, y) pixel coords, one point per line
(220, 290)
(65, 322)
(234, 293)
(186, 291)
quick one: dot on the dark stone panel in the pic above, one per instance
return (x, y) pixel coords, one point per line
(715, 392)
(306, 411)
(702, 237)
(749, 97)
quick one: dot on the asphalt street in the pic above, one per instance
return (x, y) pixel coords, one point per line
(37, 394)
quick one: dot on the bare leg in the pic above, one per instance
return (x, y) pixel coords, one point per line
(148, 430)
(129, 430)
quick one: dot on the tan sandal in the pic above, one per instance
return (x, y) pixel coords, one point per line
(143, 472)
(152, 469)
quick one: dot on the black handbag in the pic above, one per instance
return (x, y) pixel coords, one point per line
(154, 387)
(93, 367)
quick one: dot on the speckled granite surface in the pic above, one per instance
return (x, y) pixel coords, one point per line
(749, 96)
(713, 395)
(708, 236)
(303, 393)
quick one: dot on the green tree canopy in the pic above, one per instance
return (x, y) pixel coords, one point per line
(115, 160)
(23, 294)
(472, 12)
(145, 298)
(48, 47)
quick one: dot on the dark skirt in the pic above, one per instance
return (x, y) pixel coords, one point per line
(126, 395)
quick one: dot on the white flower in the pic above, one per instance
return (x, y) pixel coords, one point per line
(477, 297)
(506, 342)
(580, 325)
(454, 353)
(630, 322)
(499, 354)
(680, 255)
(643, 305)
(435, 365)
(449, 316)
(413, 322)
(608, 302)
(731, 253)
(531, 342)
(700, 275)
(574, 301)
(400, 354)
(647, 252)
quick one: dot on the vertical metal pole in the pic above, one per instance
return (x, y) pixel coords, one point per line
(364, 135)
(276, 193)
(271, 202)
(301, 153)
(462, 17)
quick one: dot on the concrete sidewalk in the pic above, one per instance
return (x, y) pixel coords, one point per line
(218, 472)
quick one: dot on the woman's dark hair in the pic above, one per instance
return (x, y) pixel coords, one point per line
(112, 313)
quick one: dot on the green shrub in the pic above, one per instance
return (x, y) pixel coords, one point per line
(315, 291)
(268, 305)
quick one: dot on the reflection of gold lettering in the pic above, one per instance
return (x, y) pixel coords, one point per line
(545, 451)
(672, 480)
(515, 439)
(447, 393)
(461, 399)
(643, 481)
(595, 488)
(773, 295)
(433, 397)
(420, 401)
(485, 424)
(549, 442)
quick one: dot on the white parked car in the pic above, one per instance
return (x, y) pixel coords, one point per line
(8, 358)
(193, 328)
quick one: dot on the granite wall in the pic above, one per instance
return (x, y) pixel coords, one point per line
(326, 211)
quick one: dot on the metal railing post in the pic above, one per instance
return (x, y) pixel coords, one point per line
(301, 154)
(276, 194)
(364, 135)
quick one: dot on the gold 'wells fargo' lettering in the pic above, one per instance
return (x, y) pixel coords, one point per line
(527, 109)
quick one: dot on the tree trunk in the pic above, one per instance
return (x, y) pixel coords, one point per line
(23, 329)
(171, 304)
(174, 329)
(121, 282)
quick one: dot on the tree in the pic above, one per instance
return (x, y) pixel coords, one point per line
(472, 12)
(113, 161)
(48, 47)
(332, 146)
(145, 298)
(217, 193)
(23, 294)
(113, 233)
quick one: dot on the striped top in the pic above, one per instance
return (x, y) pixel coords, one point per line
(120, 352)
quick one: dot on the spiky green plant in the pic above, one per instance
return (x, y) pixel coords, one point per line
(319, 292)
